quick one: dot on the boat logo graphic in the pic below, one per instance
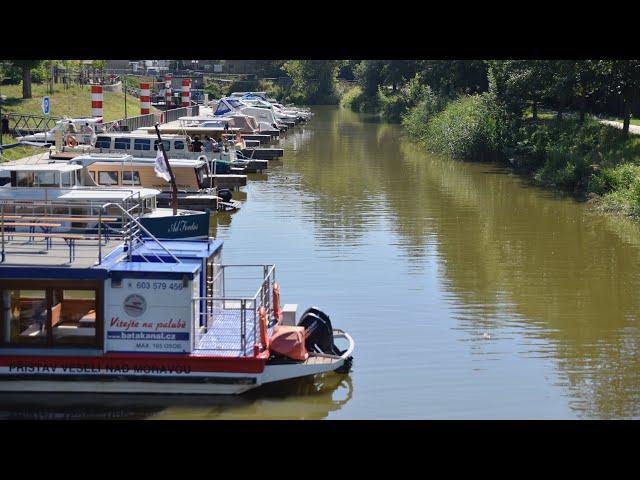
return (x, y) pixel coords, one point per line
(134, 305)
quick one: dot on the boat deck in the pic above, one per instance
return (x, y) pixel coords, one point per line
(26, 252)
(224, 335)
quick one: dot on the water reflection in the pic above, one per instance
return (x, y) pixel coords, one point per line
(306, 398)
(534, 270)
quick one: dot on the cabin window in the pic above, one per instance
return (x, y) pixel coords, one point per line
(24, 179)
(166, 143)
(123, 143)
(24, 317)
(73, 319)
(131, 178)
(92, 174)
(48, 317)
(178, 145)
(103, 142)
(46, 179)
(67, 179)
(108, 178)
(141, 144)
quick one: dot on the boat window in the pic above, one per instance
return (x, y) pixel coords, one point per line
(108, 178)
(92, 174)
(141, 144)
(73, 319)
(123, 143)
(46, 179)
(67, 179)
(24, 179)
(178, 145)
(103, 142)
(131, 178)
(24, 317)
(166, 143)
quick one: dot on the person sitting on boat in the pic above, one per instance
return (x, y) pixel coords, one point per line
(89, 133)
(197, 145)
(210, 144)
(71, 127)
(240, 143)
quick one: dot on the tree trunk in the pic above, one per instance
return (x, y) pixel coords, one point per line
(627, 117)
(534, 110)
(559, 115)
(26, 82)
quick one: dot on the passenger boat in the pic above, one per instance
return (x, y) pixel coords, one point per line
(150, 316)
(64, 197)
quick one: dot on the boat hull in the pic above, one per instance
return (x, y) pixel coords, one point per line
(189, 226)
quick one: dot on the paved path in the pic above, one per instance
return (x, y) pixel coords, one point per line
(635, 129)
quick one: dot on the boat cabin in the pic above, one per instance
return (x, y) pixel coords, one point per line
(126, 171)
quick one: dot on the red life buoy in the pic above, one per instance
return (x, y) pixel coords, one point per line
(70, 141)
(277, 311)
(264, 327)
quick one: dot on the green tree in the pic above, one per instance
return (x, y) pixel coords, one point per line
(624, 81)
(314, 80)
(27, 66)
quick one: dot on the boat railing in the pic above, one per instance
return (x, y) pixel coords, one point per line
(227, 321)
(49, 227)
(132, 235)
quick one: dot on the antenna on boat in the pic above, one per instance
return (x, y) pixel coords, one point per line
(174, 188)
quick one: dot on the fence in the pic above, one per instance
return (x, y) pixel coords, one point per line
(20, 124)
(141, 121)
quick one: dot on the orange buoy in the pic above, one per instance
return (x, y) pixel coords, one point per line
(277, 311)
(70, 141)
(264, 327)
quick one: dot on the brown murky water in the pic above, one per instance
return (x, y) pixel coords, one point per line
(469, 293)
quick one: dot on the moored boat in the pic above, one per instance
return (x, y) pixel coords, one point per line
(151, 316)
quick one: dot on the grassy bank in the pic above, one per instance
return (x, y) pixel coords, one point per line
(72, 102)
(591, 160)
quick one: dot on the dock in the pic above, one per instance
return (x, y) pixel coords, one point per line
(263, 153)
(232, 181)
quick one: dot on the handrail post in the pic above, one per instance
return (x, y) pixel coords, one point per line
(99, 236)
(2, 228)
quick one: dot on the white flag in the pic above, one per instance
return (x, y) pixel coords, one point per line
(160, 167)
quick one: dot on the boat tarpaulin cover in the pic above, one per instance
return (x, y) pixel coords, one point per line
(289, 341)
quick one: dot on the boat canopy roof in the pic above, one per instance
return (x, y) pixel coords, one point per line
(41, 167)
(228, 104)
(130, 160)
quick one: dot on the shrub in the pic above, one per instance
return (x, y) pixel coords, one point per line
(352, 99)
(469, 127)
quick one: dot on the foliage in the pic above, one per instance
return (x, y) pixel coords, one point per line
(313, 80)
(468, 128)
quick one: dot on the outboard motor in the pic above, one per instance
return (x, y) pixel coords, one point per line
(319, 335)
(225, 194)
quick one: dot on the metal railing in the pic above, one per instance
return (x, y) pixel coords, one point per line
(22, 125)
(228, 321)
(25, 225)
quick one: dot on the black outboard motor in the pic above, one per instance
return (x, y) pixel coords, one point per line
(319, 335)
(225, 194)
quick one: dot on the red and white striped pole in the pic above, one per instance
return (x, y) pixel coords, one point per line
(186, 92)
(96, 101)
(145, 98)
(167, 85)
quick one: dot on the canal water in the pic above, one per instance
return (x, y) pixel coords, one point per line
(470, 294)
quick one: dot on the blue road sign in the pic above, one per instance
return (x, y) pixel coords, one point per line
(45, 105)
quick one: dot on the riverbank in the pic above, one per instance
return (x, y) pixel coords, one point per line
(592, 160)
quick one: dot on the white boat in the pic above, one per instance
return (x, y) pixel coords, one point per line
(62, 127)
